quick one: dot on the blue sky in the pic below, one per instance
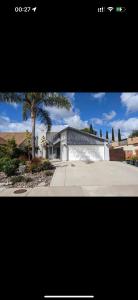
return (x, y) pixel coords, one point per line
(103, 110)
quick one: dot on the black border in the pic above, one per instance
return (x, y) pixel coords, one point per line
(87, 244)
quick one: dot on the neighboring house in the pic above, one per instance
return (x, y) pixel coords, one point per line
(18, 136)
(129, 145)
(73, 144)
(2, 141)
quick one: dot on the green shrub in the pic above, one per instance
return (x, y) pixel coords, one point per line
(16, 161)
(28, 179)
(2, 162)
(23, 158)
(10, 149)
(22, 162)
(49, 172)
(135, 158)
(20, 178)
(46, 165)
(10, 167)
(34, 167)
(2, 151)
(17, 179)
(38, 165)
(36, 160)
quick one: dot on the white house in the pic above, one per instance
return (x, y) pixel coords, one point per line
(72, 144)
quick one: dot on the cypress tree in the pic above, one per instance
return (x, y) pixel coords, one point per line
(91, 129)
(119, 135)
(106, 134)
(113, 136)
(100, 132)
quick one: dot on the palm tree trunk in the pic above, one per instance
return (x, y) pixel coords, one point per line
(33, 136)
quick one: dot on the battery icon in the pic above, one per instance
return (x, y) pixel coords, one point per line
(120, 9)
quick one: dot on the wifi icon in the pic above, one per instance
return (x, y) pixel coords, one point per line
(110, 8)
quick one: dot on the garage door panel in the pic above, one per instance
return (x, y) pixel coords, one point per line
(89, 152)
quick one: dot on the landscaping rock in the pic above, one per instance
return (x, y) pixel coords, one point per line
(38, 179)
(22, 169)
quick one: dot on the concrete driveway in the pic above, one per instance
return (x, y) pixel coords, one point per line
(102, 178)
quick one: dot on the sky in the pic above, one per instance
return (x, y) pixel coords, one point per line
(102, 110)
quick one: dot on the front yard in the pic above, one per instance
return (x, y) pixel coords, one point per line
(21, 173)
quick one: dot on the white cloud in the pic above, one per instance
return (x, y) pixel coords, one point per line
(6, 125)
(97, 121)
(98, 95)
(4, 120)
(57, 128)
(130, 101)
(105, 118)
(59, 113)
(64, 117)
(15, 105)
(76, 122)
(109, 116)
(126, 126)
(9, 126)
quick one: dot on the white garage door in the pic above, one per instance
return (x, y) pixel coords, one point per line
(86, 152)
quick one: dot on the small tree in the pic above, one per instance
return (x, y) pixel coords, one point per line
(89, 130)
(113, 136)
(119, 135)
(28, 146)
(43, 143)
(86, 129)
(101, 133)
(106, 134)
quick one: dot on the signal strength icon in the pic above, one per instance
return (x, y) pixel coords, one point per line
(110, 8)
(101, 9)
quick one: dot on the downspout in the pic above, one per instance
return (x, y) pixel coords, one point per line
(52, 151)
(104, 150)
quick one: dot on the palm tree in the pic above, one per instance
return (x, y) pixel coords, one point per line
(34, 106)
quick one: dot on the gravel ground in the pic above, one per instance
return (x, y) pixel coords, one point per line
(37, 179)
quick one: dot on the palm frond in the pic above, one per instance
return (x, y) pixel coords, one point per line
(26, 110)
(11, 97)
(55, 99)
(44, 117)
